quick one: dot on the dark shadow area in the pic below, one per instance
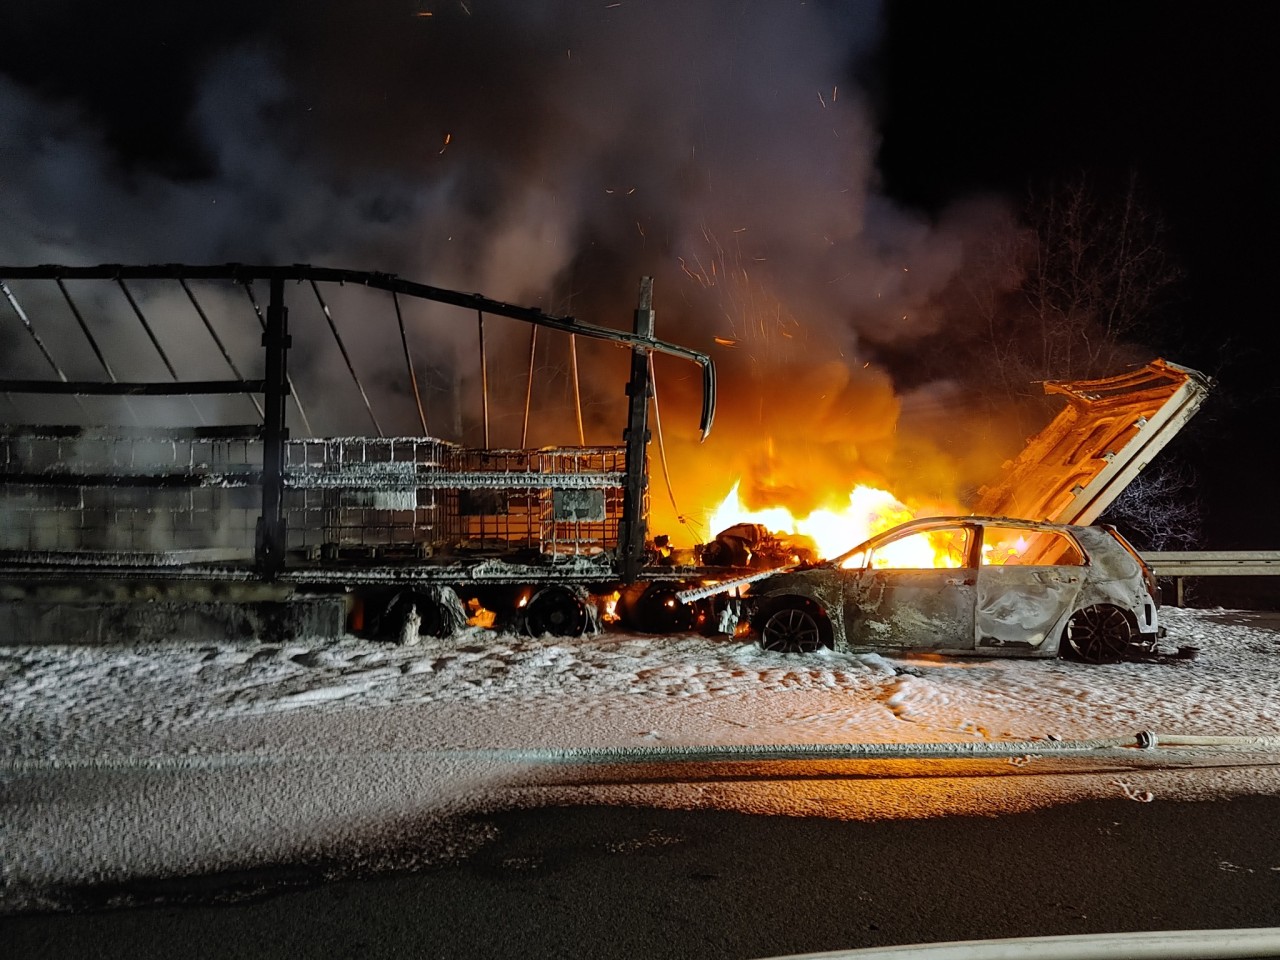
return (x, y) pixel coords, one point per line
(617, 882)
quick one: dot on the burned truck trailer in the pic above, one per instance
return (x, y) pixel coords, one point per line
(118, 526)
(394, 533)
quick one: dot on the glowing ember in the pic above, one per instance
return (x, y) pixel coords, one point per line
(610, 614)
(479, 616)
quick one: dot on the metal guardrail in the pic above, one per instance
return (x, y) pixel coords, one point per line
(1180, 564)
(1214, 563)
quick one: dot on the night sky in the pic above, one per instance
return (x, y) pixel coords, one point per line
(551, 153)
(1007, 96)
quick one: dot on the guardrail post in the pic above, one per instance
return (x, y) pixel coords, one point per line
(635, 527)
(269, 550)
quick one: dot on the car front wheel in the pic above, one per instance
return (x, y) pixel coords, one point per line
(794, 627)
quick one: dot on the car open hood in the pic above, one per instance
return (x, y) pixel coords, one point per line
(1075, 467)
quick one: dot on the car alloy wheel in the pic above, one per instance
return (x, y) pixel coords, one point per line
(1100, 634)
(791, 629)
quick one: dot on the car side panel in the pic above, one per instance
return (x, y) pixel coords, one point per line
(1115, 578)
(930, 609)
(1020, 607)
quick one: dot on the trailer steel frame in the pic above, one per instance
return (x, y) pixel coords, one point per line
(301, 480)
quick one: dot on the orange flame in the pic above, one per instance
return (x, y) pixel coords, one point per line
(835, 531)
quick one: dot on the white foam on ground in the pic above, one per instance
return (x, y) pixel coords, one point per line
(182, 758)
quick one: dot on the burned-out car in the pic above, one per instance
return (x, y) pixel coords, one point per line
(985, 586)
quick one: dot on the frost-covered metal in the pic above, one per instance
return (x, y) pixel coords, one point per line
(129, 491)
(121, 491)
(433, 497)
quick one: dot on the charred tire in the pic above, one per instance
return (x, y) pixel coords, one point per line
(793, 625)
(435, 616)
(1099, 634)
(558, 611)
(659, 610)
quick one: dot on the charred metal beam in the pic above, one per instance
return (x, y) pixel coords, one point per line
(269, 546)
(262, 322)
(204, 318)
(484, 379)
(634, 529)
(353, 478)
(408, 362)
(142, 319)
(577, 388)
(88, 335)
(31, 330)
(528, 387)
(252, 431)
(342, 347)
(68, 478)
(122, 389)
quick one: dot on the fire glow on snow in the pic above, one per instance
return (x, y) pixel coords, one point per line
(187, 758)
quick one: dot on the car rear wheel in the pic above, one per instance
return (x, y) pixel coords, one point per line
(1101, 634)
(795, 626)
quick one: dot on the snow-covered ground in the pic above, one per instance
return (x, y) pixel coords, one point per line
(125, 762)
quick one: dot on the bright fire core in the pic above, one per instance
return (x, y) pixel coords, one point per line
(870, 511)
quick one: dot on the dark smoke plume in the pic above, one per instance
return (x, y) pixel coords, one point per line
(544, 153)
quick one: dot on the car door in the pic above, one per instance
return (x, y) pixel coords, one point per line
(899, 599)
(1028, 580)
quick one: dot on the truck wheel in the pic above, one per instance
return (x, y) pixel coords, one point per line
(440, 613)
(659, 610)
(558, 611)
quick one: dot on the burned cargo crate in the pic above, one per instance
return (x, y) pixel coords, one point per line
(364, 495)
(425, 496)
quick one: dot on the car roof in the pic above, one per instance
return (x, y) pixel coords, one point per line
(926, 522)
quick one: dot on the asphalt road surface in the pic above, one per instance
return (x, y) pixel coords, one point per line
(624, 882)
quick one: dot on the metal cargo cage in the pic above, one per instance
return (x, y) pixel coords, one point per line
(428, 496)
(132, 491)
(134, 494)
